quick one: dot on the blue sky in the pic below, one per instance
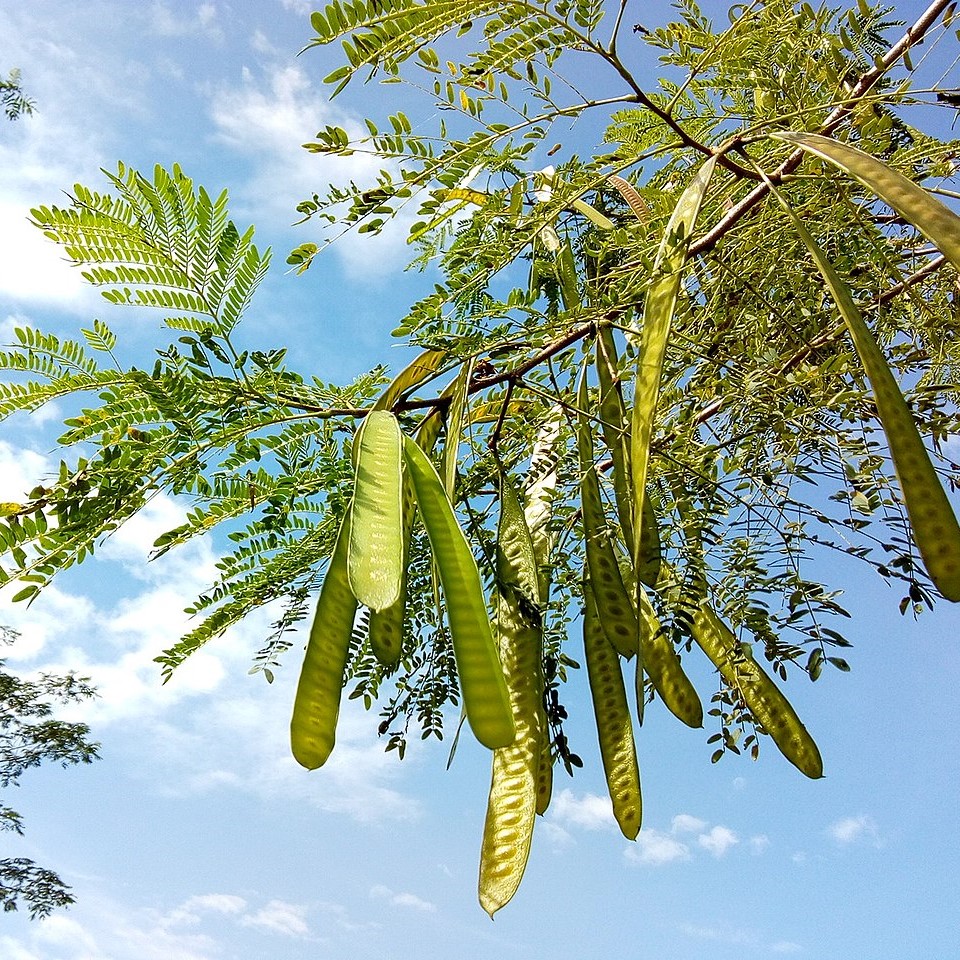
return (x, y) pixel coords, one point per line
(197, 837)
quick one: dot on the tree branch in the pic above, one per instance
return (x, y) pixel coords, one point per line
(912, 36)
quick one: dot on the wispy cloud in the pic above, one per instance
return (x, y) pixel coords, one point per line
(409, 900)
(267, 119)
(849, 830)
(278, 916)
(590, 811)
(656, 849)
(687, 835)
(175, 22)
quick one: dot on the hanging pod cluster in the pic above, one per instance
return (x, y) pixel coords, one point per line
(626, 578)
(368, 566)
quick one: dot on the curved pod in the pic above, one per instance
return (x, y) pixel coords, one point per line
(316, 705)
(485, 697)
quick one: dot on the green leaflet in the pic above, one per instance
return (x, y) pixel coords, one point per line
(511, 808)
(937, 222)
(317, 702)
(661, 300)
(934, 523)
(614, 727)
(759, 692)
(485, 697)
(613, 601)
(375, 557)
(421, 369)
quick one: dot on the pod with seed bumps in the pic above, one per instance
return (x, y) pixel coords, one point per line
(614, 727)
(511, 807)
(375, 553)
(764, 698)
(613, 601)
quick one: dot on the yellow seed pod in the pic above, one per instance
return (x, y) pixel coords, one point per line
(512, 804)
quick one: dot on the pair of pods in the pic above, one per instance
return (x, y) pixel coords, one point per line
(367, 566)
(935, 527)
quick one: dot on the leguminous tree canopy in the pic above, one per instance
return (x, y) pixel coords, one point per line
(662, 378)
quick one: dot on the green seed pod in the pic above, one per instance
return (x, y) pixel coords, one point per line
(485, 697)
(663, 666)
(659, 305)
(765, 700)
(317, 702)
(386, 626)
(613, 602)
(614, 728)
(935, 527)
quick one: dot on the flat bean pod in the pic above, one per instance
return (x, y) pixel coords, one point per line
(511, 807)
(936, 221)
(485, 697)
(613, 601)
(386, 626)
(375, 556)
(659, 305)
(765, 700)
(614, 727)
(317, 702)
(663, 666)
(934, 523)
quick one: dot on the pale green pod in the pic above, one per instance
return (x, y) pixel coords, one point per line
(485, 697)
(936, 221)
(375, 555)
(663, 666)
(511, 807)
(935, 527)
(659, 305)
(614, 727)
(616, 430)
(386, 626)
(614, 603)
(545, 770)
(764, 698)
(537, 511)
(317, 702)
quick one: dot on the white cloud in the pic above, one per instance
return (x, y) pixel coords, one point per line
(655, 849)
(592, 812)
(759, 843)
(168, 23)
(281, 917)
(786, 946)
(20, 471)
(267, 119)
(718, 841)
(409, 900)
(854, 829)
(684, 823)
